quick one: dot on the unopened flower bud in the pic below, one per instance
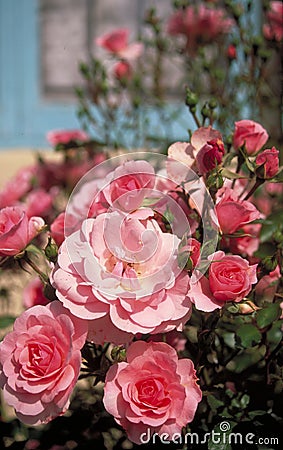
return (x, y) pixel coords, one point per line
(248, 307)
(191, 98)
(51, 250)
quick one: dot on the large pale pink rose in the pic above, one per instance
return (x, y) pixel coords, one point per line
(40, 362)
(251, 134)
(123, 266)
(116, 42)
(17, 230)
(233, 213)
(153, 392)
(230, 277)
(56, 137)
(273, 29)
(129, 184)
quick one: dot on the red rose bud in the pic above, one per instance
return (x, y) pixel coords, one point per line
(267, 163)
(210, 155)
(123, 71)
(231, 52)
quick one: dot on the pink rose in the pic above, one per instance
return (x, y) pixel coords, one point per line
(199, 24)
(191, 250)
(205, 142)
(40, 362)
(233, 213)
(268, 163)
(116, 42)
(273, 29)
(56, 137)
(267, 285)
(33, 294)
(251, 134)
(175, 339)
(129, 184)
(123, 266)
(17, 187)
(210, 155)
(63, 225)
(123, 71)
(248, 244)
(38, 203)
(152, 392)
(17, 230)
(230, 277)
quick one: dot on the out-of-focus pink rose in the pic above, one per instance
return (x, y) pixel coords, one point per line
(40, 362)
(129, 184)
(33, 294)
(233, 213)
(200, 25)
(62, 225)
(56, 137)
(174, 338)
(246, 245)
(251, 134)
(17, 187)
(17, 230)
(116, 42)
(268, 163)
(123, 71)
(38, 203)
(267, 285)
(210, 155)
(273, 29)
(153, 392)
(230, 277)
(123, 266)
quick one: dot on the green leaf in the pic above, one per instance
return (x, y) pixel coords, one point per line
(274, 335)
(214, 403)
(6, 321)
(273, 223)
(253, 414)
(248, 335)
(226, 173)
(267, 315)
(247, 358)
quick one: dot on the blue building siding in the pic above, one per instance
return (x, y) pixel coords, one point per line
(24, 116)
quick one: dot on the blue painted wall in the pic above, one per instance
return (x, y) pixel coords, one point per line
(24, 116)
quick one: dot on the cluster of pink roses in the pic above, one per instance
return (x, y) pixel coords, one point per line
(116, 43)
(130, 266)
